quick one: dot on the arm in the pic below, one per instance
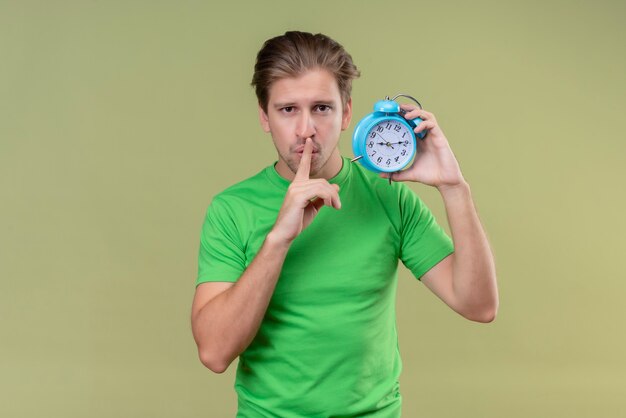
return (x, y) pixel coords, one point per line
(226, 317)
(465, 280)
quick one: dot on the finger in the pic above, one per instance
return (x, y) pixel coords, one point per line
(397, 176)
(336, 200)
(412, 111)
(331, 196)
(304, 168)
(420, 113)
(424, 125)
(332, 193)
(318, 203)
(416, 113)
(307, 188)
(312, 191)
(408, 107)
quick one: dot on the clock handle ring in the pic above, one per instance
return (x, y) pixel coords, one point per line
(408, 97)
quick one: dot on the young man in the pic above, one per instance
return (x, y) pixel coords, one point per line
(305, 294)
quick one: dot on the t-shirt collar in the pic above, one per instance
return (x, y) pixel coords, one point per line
(283, 183)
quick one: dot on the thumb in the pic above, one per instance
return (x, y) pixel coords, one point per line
(396, 176)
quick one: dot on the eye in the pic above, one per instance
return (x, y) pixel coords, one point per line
(287, 109)
(323, 108)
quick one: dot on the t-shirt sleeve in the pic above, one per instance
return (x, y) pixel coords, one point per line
(424, 242)
(221, 257)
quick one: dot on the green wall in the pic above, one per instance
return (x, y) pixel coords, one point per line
(119, 120)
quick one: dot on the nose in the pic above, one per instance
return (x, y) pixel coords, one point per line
(306, 125)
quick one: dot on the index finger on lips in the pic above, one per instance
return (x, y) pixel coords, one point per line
(305, 162)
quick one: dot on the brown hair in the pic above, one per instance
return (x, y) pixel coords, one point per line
(294, 53)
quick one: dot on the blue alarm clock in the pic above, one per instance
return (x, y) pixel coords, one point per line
(384, 141)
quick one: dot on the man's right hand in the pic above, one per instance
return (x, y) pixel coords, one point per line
(304, 199)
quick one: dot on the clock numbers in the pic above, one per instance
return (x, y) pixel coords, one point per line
(389, 145)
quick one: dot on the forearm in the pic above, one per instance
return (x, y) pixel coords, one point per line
(473, 271)
(228, 323)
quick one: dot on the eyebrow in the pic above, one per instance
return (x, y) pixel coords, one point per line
(315, 103)
(287, 104)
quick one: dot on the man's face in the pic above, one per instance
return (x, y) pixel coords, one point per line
(308, 106)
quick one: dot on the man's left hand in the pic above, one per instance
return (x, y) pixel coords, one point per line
(434, 163)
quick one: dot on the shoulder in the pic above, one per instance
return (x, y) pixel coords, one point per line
(242, 193)
(230, 207)
(244, 186)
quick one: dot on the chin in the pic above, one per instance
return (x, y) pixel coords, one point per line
(294, 163)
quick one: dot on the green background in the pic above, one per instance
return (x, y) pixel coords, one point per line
(120, 120)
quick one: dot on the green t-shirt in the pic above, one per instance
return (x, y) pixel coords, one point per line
(328, 343)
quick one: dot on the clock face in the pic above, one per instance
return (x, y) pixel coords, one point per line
(389, 145)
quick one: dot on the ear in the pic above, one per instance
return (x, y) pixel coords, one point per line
(265, 122)
(347, 115)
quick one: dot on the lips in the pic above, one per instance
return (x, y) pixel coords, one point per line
(300, 150)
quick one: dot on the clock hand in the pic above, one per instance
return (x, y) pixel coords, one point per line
(386, 142)
(381, 137)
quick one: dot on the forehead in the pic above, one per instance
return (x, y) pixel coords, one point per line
(313, 85)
